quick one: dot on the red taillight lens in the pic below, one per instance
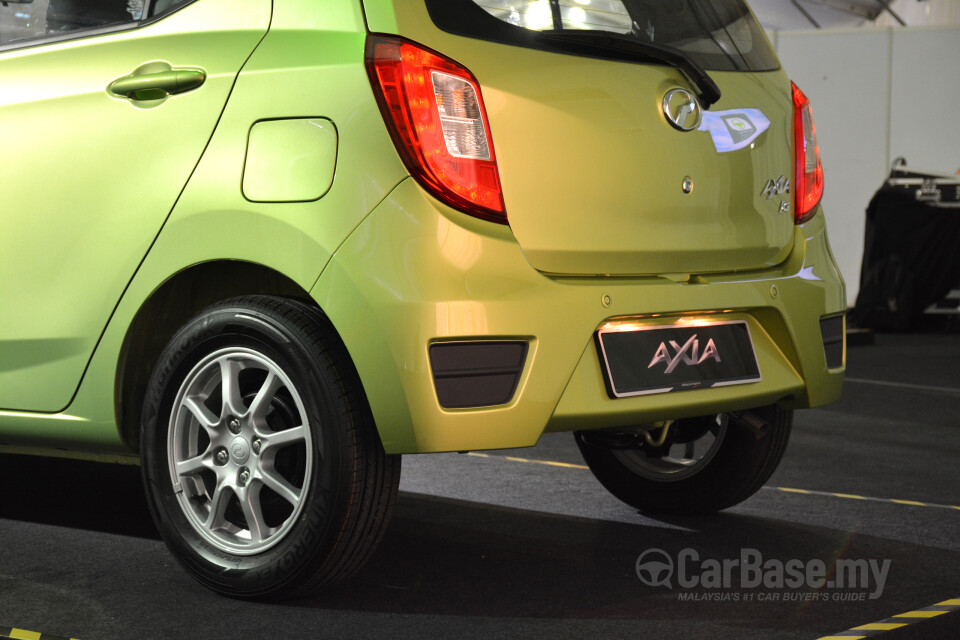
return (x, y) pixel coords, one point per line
(808, 183)
(434, 111)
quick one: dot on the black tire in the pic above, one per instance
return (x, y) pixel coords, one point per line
(735, 466)
(317, 496)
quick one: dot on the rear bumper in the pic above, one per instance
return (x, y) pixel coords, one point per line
(415, 274)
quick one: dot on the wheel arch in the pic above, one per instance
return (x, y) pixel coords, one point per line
(172, 304)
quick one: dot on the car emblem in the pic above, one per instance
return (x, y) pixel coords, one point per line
(776, 187)
(682, 109)
(240, 450)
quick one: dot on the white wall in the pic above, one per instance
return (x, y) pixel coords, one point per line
(925, 101)
(877, 94)
(916, 13)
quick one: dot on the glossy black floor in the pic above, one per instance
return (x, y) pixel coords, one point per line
(496, 547)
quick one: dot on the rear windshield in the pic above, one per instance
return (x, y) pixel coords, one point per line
(719, 35)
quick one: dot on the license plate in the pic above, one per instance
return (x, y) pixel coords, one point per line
(692, 355)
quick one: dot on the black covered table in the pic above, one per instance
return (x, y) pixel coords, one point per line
(911, 253)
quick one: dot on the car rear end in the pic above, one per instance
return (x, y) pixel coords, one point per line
(580, 243)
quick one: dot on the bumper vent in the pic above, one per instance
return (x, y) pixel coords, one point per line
(476, 374)
(833, 332)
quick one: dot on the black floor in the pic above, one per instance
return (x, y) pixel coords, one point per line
(495, 547)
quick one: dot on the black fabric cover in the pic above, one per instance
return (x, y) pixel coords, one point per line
(911, 258)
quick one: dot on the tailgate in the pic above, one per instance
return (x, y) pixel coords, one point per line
(593, 174)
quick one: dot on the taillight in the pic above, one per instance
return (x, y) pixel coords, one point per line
(434, 111)
(808, 182)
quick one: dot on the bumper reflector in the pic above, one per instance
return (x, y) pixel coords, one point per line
(476, 374)
(833, 331)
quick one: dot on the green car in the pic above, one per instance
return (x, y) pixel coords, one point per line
(264, 247)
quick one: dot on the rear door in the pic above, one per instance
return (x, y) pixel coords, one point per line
(595, 178)
(95, 155)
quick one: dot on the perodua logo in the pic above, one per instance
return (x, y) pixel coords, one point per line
(240, 450)
(688, 354)
(682, 109)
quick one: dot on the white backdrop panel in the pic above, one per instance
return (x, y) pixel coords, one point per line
(846, 75)
(925, 102)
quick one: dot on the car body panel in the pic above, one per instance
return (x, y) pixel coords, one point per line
(397, 271)
(69, 246)
(593, 172)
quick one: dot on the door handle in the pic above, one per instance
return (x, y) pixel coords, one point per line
(157, 85)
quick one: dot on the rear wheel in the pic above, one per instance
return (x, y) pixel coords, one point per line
(263, 469)
(693, 465)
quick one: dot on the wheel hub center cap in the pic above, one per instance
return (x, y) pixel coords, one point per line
(239, 450)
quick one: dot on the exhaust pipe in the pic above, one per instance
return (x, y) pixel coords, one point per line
(752, 422)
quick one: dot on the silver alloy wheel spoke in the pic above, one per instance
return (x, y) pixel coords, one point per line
(261, 403)
(196, 464)
(222, 463)
(230, 389)
(253, 514)
(280, 486)
(218, 505)
(277, 439)
(205, 417)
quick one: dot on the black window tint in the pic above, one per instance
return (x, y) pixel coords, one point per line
(720, 35)
(21, 21)
(163, 6)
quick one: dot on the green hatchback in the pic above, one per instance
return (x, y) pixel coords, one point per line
(264, 247)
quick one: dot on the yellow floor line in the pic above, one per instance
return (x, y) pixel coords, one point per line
(920, 614)
(900, 620)
(23, 634)
(850, 496)
(846, 496)
(880, 626)
(549, 463)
